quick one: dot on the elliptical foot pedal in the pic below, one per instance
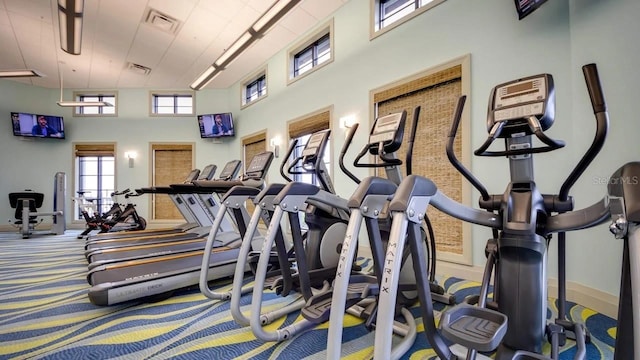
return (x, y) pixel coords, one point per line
(526, 355)
(473, 327)
(317, 309)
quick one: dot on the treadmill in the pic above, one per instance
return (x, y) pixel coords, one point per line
(146, 247)
(160, 276)
(197, 205)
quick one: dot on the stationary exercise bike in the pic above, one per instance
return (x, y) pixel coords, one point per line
(514, 323)
(122, 218)
(92, 216)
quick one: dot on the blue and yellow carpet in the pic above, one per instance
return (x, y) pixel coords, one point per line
(45, 314)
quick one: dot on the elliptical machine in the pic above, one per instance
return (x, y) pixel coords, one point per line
(369, 205)
(525, 219)
(326, 215)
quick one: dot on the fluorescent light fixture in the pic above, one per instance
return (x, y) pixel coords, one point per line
(83, 103)
(70, 22)
(20, 73)
(273, 14)
(234, 50)
(266, 21)
(205, 78)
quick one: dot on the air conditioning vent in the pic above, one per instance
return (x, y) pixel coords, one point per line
(138, 69)
(161, 21)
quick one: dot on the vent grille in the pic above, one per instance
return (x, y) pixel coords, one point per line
(161, 21)
(138, 69)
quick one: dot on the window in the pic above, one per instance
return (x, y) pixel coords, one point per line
(437, 91)
(95, 174)
(172, 104)
(301, 129)
(254, 89)
(311, 54)
(297, 151)
(390, 13)
(109, 97)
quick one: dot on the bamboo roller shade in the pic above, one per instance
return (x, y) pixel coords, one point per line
(425, 82)
(429, 159)
(309, 125)
(171, 166)
(95, 149)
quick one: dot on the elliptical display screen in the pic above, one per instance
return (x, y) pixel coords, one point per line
(521, 99)
(314, 142)
(385, 128)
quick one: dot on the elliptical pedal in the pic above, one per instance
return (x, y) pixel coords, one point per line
(476, 328)
(318, 307)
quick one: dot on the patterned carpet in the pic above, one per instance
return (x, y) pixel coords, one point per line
(45, 314)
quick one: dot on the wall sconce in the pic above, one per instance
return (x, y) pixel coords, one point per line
(275, 145)
(131, 155)
(347, 121)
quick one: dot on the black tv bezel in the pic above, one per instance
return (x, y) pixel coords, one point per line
(231, 121)
(29, 135)
(526, 10)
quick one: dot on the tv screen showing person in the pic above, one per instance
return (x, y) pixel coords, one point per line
(42, 128)
(33, 125)
(216, 125)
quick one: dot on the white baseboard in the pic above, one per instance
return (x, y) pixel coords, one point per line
(591, 298)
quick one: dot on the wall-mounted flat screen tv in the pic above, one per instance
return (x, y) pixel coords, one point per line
(526, 7)
(37, 125)
(216, 125)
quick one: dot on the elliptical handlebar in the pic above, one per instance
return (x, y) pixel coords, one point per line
(343, 152)
(412, 137)
(592, 79)
(599, 105)
(457, 117)
(283, 173)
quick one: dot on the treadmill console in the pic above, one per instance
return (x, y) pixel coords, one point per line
(514, 102)
(230, 171)
(193, 175)
(388, 130)
(208, 172)
(259, 164)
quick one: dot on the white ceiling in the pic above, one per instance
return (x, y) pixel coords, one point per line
(115, 35)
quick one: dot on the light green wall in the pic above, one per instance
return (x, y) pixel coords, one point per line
(33, 163)
(558, 39)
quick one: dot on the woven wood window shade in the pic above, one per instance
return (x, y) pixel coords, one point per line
(171, 165)
(253, 145)
(309, 125)
(437, 99)
(85, 150)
